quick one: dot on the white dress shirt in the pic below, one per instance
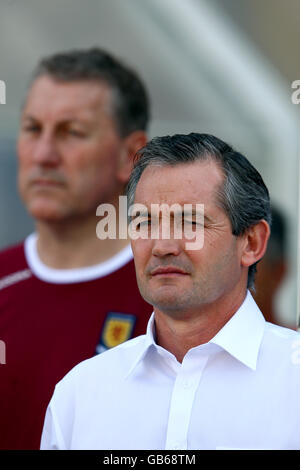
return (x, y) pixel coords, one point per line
(241, 390)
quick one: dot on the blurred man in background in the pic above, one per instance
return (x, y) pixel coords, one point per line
(66, 295)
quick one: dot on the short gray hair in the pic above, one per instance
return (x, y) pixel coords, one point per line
(129, 95)
(243, 196)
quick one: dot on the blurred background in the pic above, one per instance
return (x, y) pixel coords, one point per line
(217, 66)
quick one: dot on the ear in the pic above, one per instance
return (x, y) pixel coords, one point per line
(255, 243)
(131, 144)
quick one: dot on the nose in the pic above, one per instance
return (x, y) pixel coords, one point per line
(166, 247)
(45, 151)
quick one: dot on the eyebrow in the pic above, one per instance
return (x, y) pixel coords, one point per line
(193, 212)
(141, 214)
(28, 117)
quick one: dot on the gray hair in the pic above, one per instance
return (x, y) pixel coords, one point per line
(129, 96)
(243, 196)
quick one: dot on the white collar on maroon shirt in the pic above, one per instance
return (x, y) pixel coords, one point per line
(69, 276)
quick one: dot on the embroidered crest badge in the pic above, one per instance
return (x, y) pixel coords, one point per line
(117, 328)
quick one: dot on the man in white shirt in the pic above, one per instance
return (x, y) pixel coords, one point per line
(210, 373)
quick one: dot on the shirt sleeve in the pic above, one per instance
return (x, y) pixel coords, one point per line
(52, 437)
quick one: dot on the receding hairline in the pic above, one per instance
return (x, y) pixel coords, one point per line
(100, 83)
(209, 159)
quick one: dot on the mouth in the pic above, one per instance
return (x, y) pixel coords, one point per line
(169, 271)
(45, 183)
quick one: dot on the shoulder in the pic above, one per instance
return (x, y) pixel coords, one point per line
(282, 346)
(110, 366)
(12, 259)
(12, 251)
(280, 335)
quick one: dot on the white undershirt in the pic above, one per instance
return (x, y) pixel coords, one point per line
(68, 276)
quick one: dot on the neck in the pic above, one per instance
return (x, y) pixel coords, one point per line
(74, 244)
(178, 335)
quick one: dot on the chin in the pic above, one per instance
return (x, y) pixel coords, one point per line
(165, 303)
(46, 212)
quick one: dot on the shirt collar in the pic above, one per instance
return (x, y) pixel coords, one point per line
(241, 336)
(149, 342)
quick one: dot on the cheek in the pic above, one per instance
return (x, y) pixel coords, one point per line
(93, 167)
(92, 185)
(228, 264)
(142, 253)
(24, 167)
(23, 152)
(216, 257)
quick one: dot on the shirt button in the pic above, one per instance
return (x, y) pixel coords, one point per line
(186, 384)
(177, 447)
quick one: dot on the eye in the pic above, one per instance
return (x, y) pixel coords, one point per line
(76, 133)
(31, 128)
(190, 221)
(144, 223)
(193, 224)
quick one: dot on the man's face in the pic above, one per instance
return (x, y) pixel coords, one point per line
(69, 149)
(170, 277)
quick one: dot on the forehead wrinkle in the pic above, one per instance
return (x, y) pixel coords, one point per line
(162, 192)
(63, 120)
(46, 91)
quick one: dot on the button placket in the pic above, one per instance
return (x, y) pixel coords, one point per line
(182, 400)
